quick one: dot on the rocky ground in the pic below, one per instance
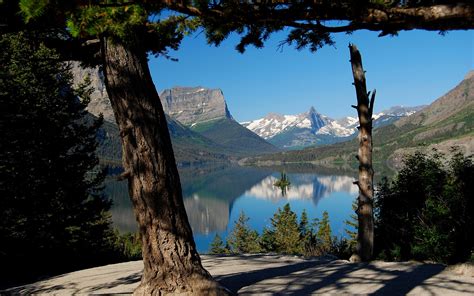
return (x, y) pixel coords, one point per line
(281, 275)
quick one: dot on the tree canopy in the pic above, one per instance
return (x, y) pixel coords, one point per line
(162, 24)
(312, 23)
(54, 216)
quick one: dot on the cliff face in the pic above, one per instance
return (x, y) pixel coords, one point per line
(100, 102)
(189, 146)
(191, 105)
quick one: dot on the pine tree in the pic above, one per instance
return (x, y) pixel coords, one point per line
(243, 239)
(307, 235)
(267, 240)
(217, 246)
(426, 212)
(286, 231)
(324, 233)
(54, 216)
(352, 226)
(304, 224)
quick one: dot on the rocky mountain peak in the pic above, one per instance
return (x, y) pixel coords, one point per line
(317, 120)
(191, 105)
(100, 103)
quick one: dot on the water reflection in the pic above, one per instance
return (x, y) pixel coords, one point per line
(208, 194)
(213, 196)
(304, 186)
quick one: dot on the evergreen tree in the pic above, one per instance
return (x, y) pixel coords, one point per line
(352, 226)
(286, 231)
(217, 246)
(426, 212)
(243, 239)
(304, 224)
(324, 234)
(307, 235)
(54, 216)
(267, 240)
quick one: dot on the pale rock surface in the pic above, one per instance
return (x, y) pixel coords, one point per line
(274, 275)
(191, 105)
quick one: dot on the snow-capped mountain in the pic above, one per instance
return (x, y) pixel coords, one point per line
(312, 128)
(274, 124)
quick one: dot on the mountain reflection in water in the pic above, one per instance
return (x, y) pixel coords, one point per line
(303, 186)
(214, 197)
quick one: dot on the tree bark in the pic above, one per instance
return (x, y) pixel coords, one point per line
(365, 233)
(374, 17)
(171, 262)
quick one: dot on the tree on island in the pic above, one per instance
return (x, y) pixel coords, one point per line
(283, 183)
(54, 216)
(126, 30)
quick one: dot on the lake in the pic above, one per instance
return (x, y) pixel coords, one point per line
(215, 196)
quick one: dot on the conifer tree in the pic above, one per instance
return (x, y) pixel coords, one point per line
(324, 233)
(54, 216)
(217, 246)
(352, 226)
(286, 231)
(243, 239)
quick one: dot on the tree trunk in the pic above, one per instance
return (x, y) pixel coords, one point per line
(365, 233)
(171, 262)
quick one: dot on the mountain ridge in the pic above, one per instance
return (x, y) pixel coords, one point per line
(205, 111)
(447, 121)
(312, 128)
(190, 105)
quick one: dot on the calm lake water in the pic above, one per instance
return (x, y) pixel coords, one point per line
(214, 198)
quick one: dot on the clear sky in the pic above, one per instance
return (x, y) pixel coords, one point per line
(414, 68)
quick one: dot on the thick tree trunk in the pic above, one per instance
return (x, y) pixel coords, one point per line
(365, 233)
(171, 262)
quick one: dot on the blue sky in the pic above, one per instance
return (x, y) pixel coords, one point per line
(414, 68)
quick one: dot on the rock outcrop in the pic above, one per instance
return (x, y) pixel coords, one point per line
(191, 105)
(100, 102)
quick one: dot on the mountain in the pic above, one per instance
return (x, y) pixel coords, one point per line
(205, 111)
(447, 122)
(190, 105)
(312, 128)
(100, 102)
(189, 146)
(274, 124)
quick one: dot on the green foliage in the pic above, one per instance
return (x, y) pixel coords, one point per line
(129, 22)
(218, 246)
(352, 225)
(283, 183)
(33, 9)
(128, 246)
(286, 231)
(243, 239)
(54, 215)
(324, 233)
(426, 213)
(284, 236)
